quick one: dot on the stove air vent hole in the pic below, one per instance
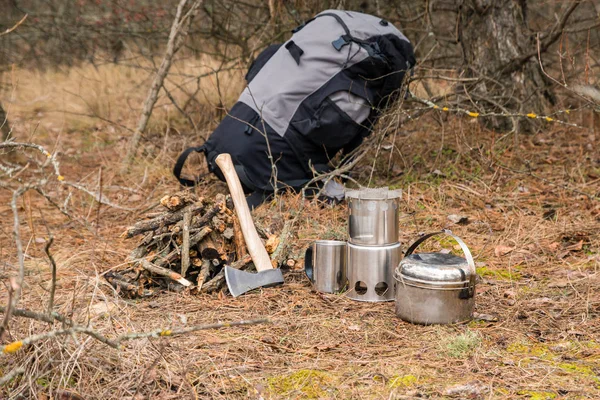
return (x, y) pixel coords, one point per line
(360, 287)
(381, 288)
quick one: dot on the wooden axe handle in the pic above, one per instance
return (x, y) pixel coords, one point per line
(257, 251)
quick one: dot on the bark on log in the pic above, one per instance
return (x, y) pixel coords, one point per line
(218, 281)
(179, 200)
(204, 273)
(168, 218)
(119, 282)
(185, 248)
(155, 269)
(238, 239)
(175, 254)
(208, 248)
(280, 255)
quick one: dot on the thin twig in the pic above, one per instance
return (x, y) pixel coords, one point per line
(15, 283)
(53, 269)
(49, 318)
(116, 343)
(9, 30)
(12, 374)
(97, 197)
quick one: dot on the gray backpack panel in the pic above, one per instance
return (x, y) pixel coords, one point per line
(281, 86)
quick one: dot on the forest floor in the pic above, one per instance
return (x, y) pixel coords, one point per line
(533, 209)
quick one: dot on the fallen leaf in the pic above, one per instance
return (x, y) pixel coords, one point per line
(558, 284)
(502, 250)
(575, 247)
(485, 317)
(102, 309)
(458, 219)
(553, 246)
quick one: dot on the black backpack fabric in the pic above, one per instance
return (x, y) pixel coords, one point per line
(317, 94)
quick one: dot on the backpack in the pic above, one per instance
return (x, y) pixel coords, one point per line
(318, 93)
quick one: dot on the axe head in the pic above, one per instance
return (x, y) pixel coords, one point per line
(240, 282)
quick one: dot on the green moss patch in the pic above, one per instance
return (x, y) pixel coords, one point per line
(398, 381)
(535, 395)
(311, 384)
(533, 350)
(502, 274)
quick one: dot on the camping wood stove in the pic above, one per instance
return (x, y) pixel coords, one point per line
(373, 248)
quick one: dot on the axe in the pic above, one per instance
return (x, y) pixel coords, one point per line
(239, 282)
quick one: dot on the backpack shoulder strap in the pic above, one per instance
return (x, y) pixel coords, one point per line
(181, 161)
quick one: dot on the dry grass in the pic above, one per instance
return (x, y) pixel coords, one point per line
(544, 291)
(81, 98)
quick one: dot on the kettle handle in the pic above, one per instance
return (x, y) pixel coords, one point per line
(448, 232)
(308, 263)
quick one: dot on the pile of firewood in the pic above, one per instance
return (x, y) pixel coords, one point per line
(186, 246)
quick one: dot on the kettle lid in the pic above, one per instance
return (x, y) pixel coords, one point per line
(435, 267)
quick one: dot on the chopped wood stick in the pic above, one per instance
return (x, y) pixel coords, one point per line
(185, 247)
(204, 273)
(119, 283)
(168, 218)
(178, 200)
(208, 248)
(207, 218)
(280, 254)
(238, 239)
(262, 232)
(175, 254)
(142, 248)
(154, 215)
(155, 269)
(219, 223)
(217, 282)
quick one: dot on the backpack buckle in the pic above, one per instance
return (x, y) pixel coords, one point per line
(340, 42)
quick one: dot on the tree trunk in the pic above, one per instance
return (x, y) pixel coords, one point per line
(499, 48)
(4, 127)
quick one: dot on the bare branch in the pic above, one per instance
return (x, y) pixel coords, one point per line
(9, 30)
(97, 197)
(116, 343)
(178, 33)
(12, 374)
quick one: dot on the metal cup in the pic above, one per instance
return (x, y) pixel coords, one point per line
(325, 265)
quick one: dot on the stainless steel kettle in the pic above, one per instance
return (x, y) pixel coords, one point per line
(435, 288)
